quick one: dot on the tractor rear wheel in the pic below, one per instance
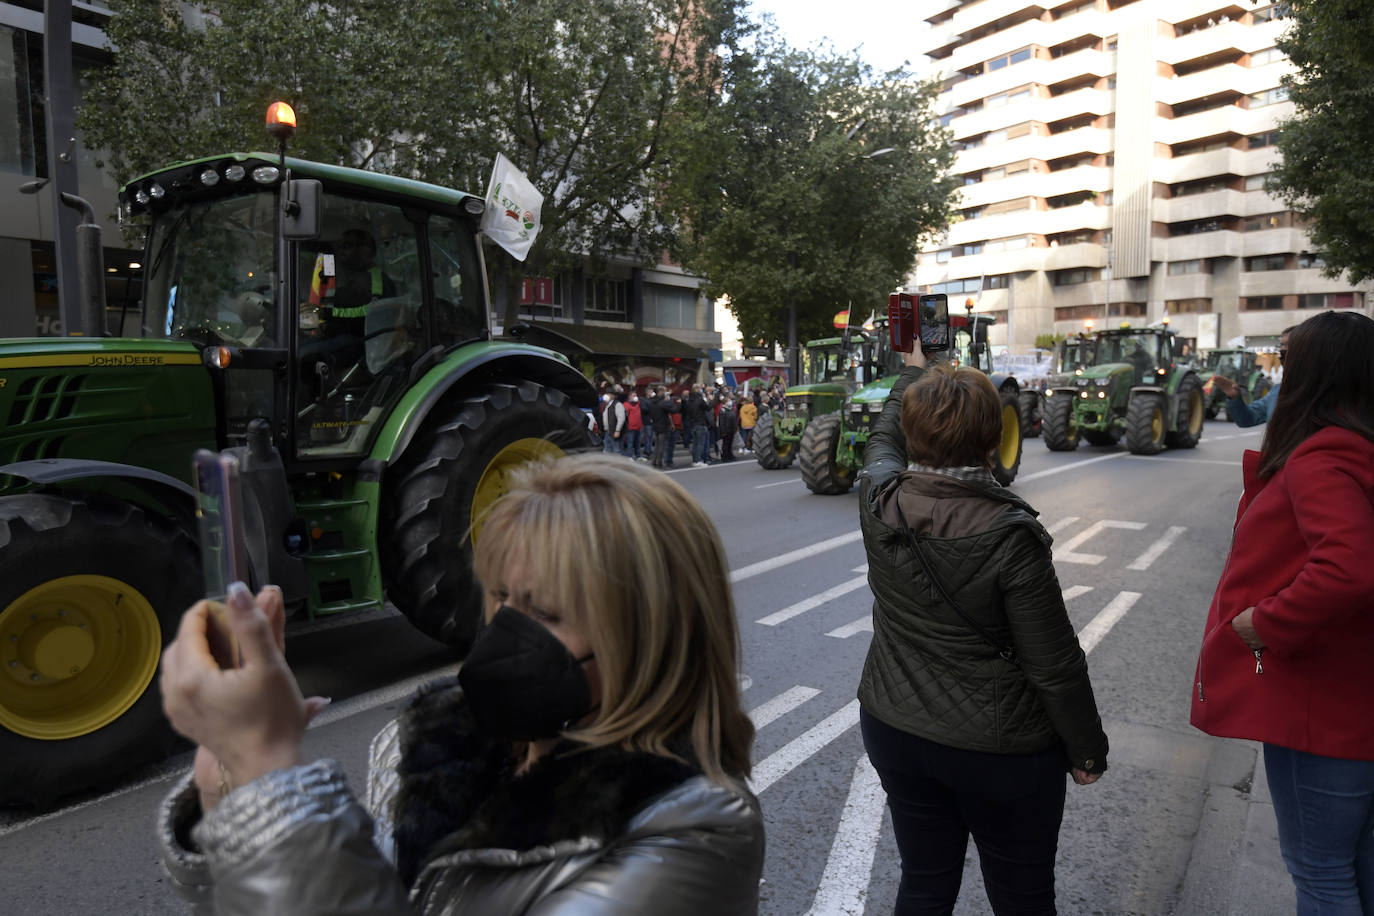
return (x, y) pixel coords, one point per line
(819, 468)
(1006, 460)
(1031, 414)
(90, 592)
(771, 454)
(435, 497)
(1145, 418)
(1187, 425)
(1059, 428)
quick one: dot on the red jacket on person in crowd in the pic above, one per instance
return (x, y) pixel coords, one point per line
(1303, 557)
(633, 418)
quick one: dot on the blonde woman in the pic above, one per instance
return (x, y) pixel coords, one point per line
(589, 758)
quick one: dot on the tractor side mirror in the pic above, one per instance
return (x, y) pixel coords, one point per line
(301, 221)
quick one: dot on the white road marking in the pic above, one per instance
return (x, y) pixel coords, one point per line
(1220, 438)
(764, 486)
(772, 563)
(1108, 617)
(1233, 464)
(1068, 467)
(1067, 555)
(1157, 548)
(815, 601)
(1061, 524)
(781, 705)
(795, 752)
(862, 625)
(848, 871)
(1073, 591)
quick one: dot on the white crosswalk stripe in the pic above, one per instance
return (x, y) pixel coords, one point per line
(848, 871)
(781, 705)
(797, 751)
(1157, 548)
(1066, 554)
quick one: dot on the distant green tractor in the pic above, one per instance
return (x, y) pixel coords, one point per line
(1241, 367)
(832, 447)
(831, 373)
(1131, 386)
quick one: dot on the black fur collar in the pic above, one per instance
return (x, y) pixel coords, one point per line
(458, 790)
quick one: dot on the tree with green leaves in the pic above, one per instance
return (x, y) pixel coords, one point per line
(1322, 174)
(585, 96)
(827, 179)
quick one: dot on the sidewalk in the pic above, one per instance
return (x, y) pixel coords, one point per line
(1235, 868)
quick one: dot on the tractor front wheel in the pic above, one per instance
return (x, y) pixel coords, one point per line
(771, 454)
(820, 469)
(435, 497)
(1059, 428)
(1145, 424)
(1006, 461)
(1187, 425)
(1031, 414)
(90, 592)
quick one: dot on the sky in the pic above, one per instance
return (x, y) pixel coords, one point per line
(886, 31)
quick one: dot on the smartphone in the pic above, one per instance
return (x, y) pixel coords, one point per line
(223, 556)
(901, 321)
(932, 322)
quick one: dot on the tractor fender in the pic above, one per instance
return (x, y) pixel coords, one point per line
(164, 491)
(467, 369)
(1002, 382)
(1148, 389)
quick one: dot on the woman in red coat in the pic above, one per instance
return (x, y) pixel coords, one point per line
(1286, 658)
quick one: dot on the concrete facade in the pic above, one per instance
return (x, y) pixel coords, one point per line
(1113, 155)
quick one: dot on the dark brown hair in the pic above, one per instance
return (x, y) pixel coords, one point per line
(1328, 380)
(951, 418)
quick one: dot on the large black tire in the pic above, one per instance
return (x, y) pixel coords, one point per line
(460, 457)
(1006, 459)
(90, 592)
(1032, 414)
(1260, 388)
(1187, 427)
(1059, 429)
(1145, 424)
(820, 471)
(768, 452)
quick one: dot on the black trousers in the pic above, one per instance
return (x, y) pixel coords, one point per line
(938, 795)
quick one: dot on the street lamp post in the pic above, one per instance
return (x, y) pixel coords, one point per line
(793, 350)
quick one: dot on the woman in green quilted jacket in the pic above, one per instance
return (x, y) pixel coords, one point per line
(975, 694)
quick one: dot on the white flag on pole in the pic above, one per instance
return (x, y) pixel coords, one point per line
(511, 219)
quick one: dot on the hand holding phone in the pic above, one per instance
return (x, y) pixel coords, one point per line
(223, 556)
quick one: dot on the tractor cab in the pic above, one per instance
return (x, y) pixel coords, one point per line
(381, 287)
(969, 341)
(833, 359)
(1148, 352)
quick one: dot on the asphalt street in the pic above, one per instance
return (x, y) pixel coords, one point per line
(1180, 824)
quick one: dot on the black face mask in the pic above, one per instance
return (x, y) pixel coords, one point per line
(521, 682)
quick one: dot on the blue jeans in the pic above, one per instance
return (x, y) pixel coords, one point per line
(612, 445)
(648, 441)
(1325, 812)
(634, 445)
(701, 446)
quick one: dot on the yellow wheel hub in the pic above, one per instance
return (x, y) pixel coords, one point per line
(495, 479)
(1156, 425)
(782, 449)
(75, 654)
(1011, 436)
(1195, 412)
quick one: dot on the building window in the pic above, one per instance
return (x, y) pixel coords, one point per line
(1070, 200)
(1258, 141)
(1267, 262)
(1256, 182)
(963, 251)
(1075, 8)
(1075, 276)
(1187, 306)
(607, 298)
(1267, 56)
(957, 287)
(671, 307)
(1273, 11)
(1006, 60)
(23, 148)
(1261, 303)
(1178, 268)
(943, 255)
(1269, 97)
(1309, 261)
(1126, 310)
(1077, 312)
(996, 281)
(1266, 221)
(1193, 227)
(1331, 301)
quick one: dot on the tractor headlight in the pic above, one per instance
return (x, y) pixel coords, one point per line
(265, 174)
(1103, 382)
(1102, 394)
(234, 172)
(875, 407)
(1083, 394)
(141, 196)
(156, 191)
(209, 178)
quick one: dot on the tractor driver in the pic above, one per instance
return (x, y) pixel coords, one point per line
(1141, 360)
(342, 286)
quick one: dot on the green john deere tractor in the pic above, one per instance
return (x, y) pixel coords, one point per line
(832, 370)
(832, 447)
(1131, 386)
(373, 436)
(1241, 367)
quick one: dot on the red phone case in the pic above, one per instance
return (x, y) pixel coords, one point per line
(901, 322)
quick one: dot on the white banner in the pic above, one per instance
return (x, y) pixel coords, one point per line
(511, 219)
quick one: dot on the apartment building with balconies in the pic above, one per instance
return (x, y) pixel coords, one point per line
(1113, 155)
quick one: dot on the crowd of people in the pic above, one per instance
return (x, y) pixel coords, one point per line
(711, 423)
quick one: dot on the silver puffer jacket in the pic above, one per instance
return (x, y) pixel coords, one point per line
(593, 832)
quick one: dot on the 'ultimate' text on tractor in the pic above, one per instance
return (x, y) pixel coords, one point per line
(329, 325)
